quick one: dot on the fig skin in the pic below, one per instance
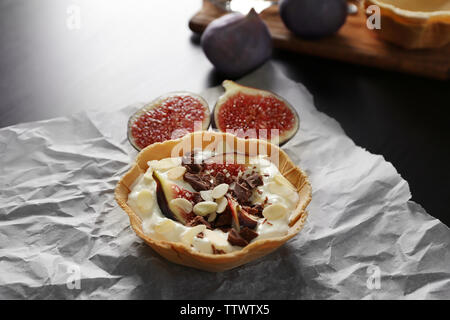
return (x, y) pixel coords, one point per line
(164, 195)
(313, 18)
(236, 44)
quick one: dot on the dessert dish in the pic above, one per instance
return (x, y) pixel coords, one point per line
(254, 113)
(414, 24)
(168, 117)
(211, 204)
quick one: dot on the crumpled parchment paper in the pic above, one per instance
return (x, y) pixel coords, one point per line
(63, 236)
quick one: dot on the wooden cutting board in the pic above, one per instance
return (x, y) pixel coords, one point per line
(354, 43)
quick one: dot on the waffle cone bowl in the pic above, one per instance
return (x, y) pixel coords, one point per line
(184, 255)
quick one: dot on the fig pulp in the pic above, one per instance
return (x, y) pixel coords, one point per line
(236, 44)
(168, 117)
(313, 18)
(167, 191)
(253, 113)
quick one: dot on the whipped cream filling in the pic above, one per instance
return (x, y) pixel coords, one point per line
(281, 196)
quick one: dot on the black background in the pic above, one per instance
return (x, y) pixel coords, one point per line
(128, 51)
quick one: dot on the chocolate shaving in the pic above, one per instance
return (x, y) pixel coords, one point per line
(188, 161)
(248, 234)
(255, 210)
(201, 235)
(197, 221)
(217, 251)
(254, 180)
(198, 181)
(235, 239)
(196, 197)
(224, 219)
(220, 178)
(241, 192)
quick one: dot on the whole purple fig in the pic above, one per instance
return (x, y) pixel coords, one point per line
(236, 44)
(313, 18)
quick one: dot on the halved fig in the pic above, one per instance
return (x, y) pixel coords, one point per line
(167, 194)
(253, 113)
(168, 117)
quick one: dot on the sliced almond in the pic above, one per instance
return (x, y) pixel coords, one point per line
(221, 204)
(275, 211)
(220, 190)
(281, 180)
(206, 195)
(165, 226)
(188, 236)
(205, 207)
(145, 201)
(176, 173)
(181, 203)
(279, 189)
(212, 217)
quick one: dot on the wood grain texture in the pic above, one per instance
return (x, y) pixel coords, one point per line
(354, 43)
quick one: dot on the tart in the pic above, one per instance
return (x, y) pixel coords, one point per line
(213, 201)
(414, 24)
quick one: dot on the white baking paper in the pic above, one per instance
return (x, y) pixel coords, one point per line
(63, 236)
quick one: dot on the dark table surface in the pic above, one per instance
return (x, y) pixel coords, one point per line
(128, 51)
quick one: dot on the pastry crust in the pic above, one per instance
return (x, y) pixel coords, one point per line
(180, 253)
(413, 24)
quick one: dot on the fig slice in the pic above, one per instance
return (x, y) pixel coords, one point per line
(170, 116)
(234, 214)
(254, 113)
(166, 193)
